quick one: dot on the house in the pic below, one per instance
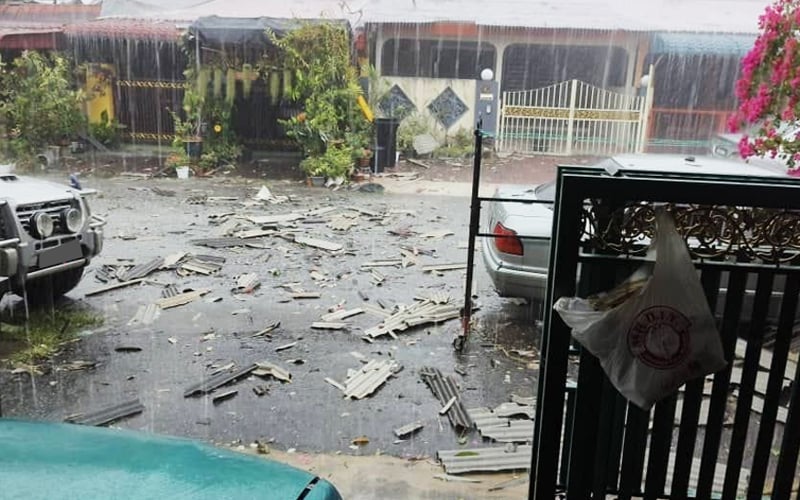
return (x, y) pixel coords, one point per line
(590, 62)
(137, 54)
(428, 49)
(134, 73)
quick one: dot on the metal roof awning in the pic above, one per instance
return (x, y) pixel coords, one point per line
(215, 30)
(691, 44)
(129, 29)
(30, 38)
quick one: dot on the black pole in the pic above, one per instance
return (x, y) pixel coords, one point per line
(474, 222)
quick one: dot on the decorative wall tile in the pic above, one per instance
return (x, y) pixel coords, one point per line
(396, 104)
(447, 107)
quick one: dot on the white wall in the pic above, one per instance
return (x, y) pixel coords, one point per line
(422, 91)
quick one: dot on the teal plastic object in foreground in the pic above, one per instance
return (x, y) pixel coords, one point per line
(40, 460)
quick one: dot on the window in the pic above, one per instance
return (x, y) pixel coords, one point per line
(532, 66)
(436, 58)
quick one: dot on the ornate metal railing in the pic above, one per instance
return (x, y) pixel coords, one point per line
(711, 231)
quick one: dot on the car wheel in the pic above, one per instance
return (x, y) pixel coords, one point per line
(49, 288)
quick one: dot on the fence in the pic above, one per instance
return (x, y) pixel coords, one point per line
(684, 130)
(573, 117)
(735, 434)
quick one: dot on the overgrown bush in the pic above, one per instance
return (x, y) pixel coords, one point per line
(40, 104)
(326, 84)
(337, 161)
(106, 132)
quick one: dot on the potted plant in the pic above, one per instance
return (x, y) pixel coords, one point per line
(363, 157)
(179, 161)
(188, 129)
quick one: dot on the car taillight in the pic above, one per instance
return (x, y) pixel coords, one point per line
(506, 240)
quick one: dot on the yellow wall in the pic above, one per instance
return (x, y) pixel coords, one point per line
(100, 92)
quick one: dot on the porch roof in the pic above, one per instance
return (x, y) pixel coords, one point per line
(47, 14)
(246, 31)
(134, 29)
(30, 38)
(702, 43)
(39, 26)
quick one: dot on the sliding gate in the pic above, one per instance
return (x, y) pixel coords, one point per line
(734, 434)
(573, 117)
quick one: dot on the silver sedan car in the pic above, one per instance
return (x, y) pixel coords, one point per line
(517, 255)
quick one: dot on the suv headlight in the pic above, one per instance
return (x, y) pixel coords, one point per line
(72, 220)
(42, 225)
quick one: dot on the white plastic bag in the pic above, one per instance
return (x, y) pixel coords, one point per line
(661, 335)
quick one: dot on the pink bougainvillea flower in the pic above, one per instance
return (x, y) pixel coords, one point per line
(768, 89)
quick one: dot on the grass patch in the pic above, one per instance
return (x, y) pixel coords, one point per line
(45, 332)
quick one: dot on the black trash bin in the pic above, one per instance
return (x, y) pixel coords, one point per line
(385, 143)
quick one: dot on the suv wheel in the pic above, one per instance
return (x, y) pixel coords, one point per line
(49, 288)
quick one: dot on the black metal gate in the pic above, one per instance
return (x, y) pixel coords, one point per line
(143, 108)
(735, 434)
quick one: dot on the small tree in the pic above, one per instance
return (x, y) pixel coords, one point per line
(39, 103)
(326, 84)
(769, 87)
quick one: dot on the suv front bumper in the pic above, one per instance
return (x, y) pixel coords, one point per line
(22, 261)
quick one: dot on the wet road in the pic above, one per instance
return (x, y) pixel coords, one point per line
(307, 414)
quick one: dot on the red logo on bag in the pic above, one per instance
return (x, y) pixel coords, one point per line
(659, 337)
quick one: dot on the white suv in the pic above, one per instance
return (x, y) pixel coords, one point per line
(47, 237)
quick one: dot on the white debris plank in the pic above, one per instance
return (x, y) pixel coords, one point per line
(377, 311)
(285, 346)
(114, 287)
(484, 418)
(409, 429)
(264, 368)
(256, 233)
(246, 283)
(335, 384)
(485, 459)
(382, 263)
(448, 405)
(514, 410)
(328, 325)
(146, 315)
(443, 267)
(318, 243)
(172, 259)
(342, 314)
(321, 211)
(516, 431)
(181, 299)
(437, 234)
(366, 380)
(274, 219)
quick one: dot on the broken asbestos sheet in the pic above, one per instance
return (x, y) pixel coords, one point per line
(446, 391)
(421, 313)
(366, 380)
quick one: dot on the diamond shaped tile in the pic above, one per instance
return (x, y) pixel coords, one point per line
(447, 107)
(396, 103)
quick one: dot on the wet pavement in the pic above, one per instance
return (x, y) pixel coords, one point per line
(307, 414)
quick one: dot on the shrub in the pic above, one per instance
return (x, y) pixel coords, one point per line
(40, 104)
